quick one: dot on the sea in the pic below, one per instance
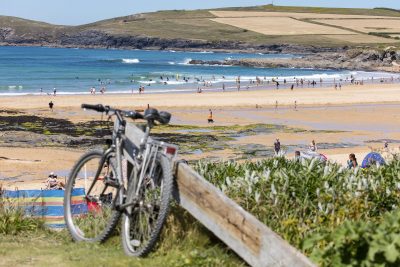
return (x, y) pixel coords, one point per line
(40, 70)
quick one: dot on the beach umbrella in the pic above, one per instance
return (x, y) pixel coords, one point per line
(372, 159)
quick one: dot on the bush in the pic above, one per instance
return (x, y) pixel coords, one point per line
(13, 219)
(298, 200)
(359, 244)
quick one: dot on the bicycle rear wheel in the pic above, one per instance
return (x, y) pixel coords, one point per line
(91, 216)
(143, 220)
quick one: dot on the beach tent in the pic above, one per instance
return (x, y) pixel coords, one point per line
(372, 158)
(46, 204)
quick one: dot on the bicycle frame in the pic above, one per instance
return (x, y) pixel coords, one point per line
(140, 155)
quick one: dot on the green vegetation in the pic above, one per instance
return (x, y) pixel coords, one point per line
(177, 25)
(306, 202)
(13, 221)
(336, 216)
(359, 243)
(184, 242)
(321, 10)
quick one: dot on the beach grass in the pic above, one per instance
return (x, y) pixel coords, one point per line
(184, 242)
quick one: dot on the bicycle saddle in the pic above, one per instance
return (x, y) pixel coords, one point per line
(153, 114)
(165, 117)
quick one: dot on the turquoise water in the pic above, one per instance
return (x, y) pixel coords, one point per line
(25, 70)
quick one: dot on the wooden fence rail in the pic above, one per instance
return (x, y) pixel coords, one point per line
(242, 232)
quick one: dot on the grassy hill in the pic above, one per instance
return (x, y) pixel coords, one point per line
(321, 10)
(195, 27)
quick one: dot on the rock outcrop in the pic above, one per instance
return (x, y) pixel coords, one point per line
(354, 59)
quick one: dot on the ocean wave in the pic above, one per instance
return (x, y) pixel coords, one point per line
(130, 60)
(186, 61)
(119, 60)
(205, 52)
(11, 87)
(147, 82)
(175, 82)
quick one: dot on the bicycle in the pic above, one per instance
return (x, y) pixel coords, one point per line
(140, 191)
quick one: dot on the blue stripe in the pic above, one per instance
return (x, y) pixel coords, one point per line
(42, 193)
(54, 210)
(47, 211)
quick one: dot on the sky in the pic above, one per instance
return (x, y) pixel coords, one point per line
(75, 12)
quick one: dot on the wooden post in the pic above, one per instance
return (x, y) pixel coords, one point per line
(242, 232)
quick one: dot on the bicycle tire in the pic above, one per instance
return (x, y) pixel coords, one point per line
(167, 187)
(73, 229)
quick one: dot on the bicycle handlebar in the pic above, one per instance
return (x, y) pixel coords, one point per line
(149, 115)
(98, 108)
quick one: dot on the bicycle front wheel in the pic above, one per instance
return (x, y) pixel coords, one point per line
(91, 192)
(143, 220)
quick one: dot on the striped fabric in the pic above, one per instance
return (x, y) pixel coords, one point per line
(48, 204)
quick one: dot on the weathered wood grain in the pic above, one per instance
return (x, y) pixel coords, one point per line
(241, 231)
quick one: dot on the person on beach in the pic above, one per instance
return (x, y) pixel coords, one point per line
(41, 91)
(54, 91)
(313, 146)
(352, 162)
(292, 87)
(223, 87)
(210, 117)
(297, 156)
(295, 105)
(51, 105)
(277, 147)
(53, 184)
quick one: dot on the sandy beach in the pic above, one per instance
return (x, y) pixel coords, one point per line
(349, 94)
(356, 119)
